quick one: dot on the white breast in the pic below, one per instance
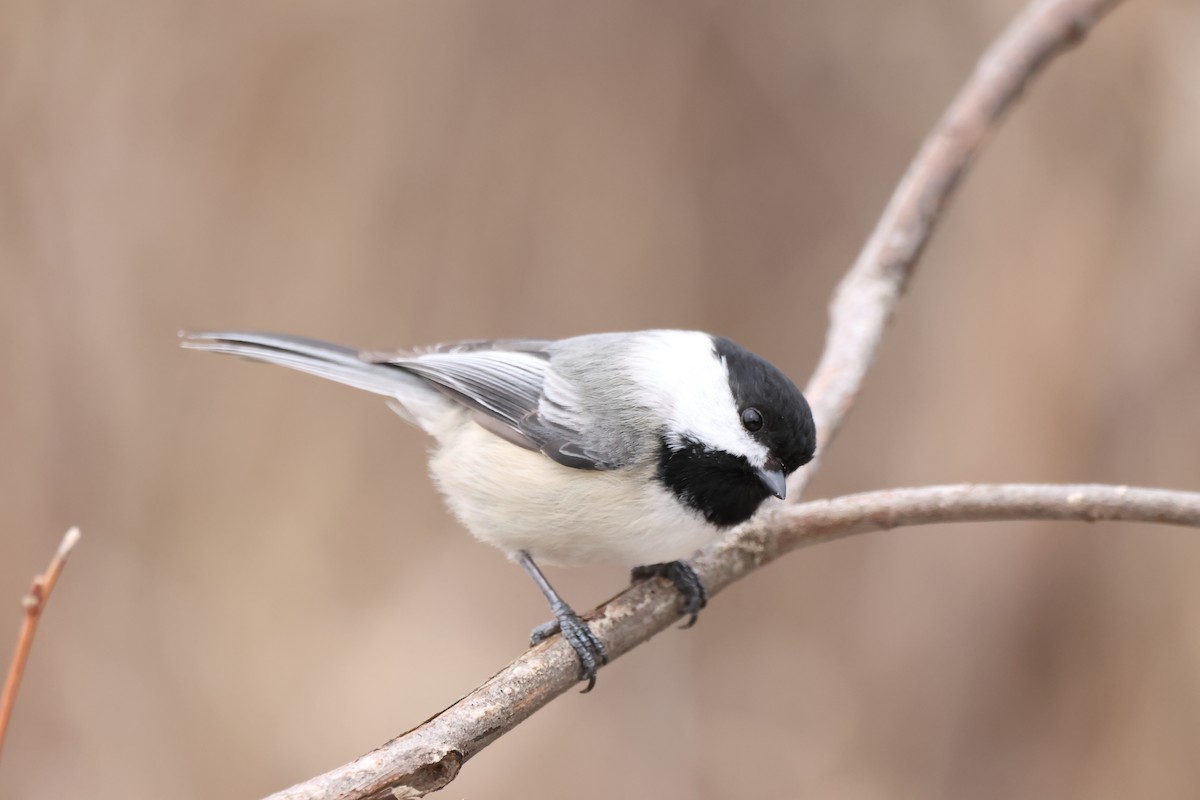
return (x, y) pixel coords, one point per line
(517, 499)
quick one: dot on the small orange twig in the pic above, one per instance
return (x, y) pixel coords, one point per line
(33, 602)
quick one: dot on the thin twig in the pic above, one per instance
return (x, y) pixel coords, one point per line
(34, 603)
(429, 756)
(867, 296)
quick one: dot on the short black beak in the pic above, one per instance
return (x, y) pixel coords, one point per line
(773, 478)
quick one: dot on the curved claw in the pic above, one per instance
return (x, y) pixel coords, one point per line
(587, 645)
(685, 579)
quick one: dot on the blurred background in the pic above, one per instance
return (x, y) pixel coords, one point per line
(268, 585)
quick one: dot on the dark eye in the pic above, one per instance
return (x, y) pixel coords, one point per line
(752, 420)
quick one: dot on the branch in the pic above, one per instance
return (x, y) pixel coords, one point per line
(429, 756)
(34, 603)
(866, 298)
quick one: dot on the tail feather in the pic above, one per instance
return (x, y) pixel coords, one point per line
(325, 360)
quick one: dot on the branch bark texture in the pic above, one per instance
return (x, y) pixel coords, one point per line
(34, 603)
(867, 296)
(429, 756)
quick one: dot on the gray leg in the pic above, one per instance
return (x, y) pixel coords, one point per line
(589, 649)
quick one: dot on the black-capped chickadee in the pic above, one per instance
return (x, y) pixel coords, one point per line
(636, 448)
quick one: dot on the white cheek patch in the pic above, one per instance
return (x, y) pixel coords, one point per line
(683, 379)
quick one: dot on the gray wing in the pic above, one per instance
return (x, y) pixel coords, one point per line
(514, 391)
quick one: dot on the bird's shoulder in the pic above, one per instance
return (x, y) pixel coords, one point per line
(582, 401)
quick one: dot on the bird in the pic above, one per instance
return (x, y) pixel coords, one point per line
(636, 448)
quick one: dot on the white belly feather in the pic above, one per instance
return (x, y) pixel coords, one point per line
(517, 499)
